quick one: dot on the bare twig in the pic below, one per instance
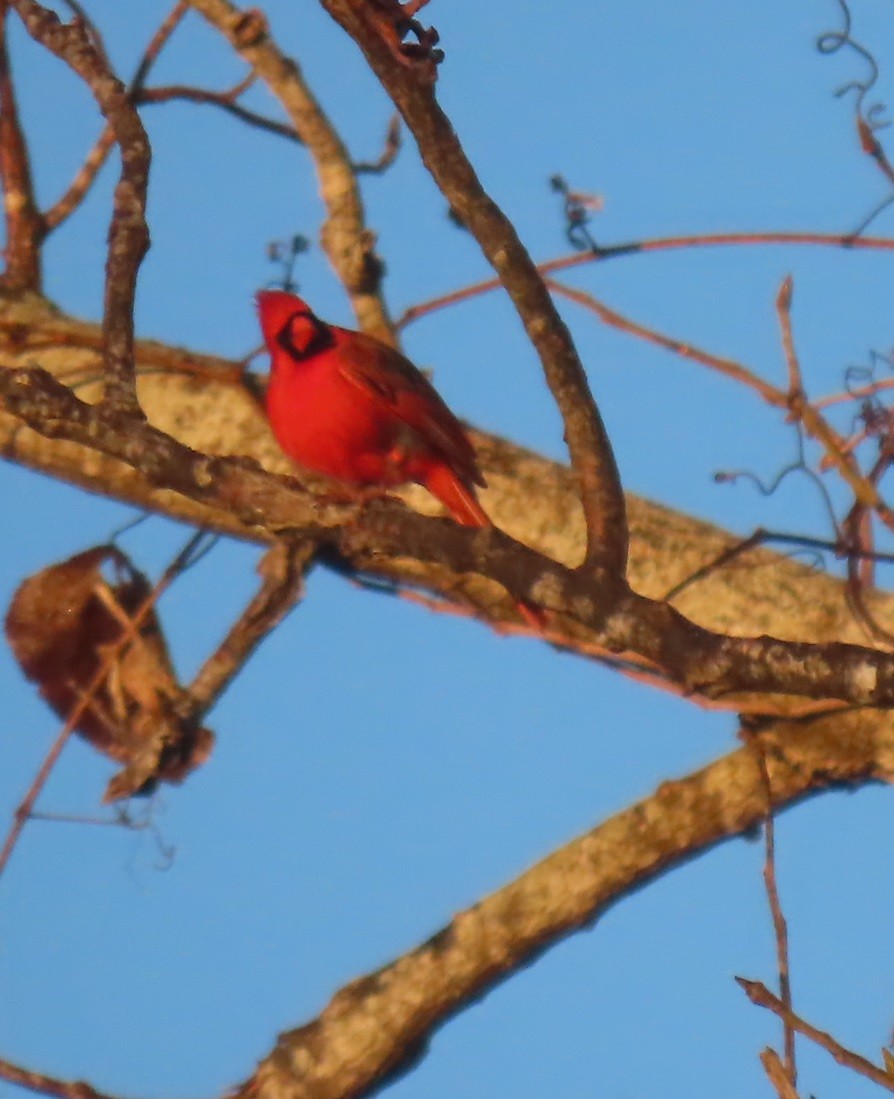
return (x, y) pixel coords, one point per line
(66, 205)
(182, 561)
(760, 537)
(727, 367)
(762, 997)
(776, 1074)
(96, 158)
(226, 100)
(389, 151)
(412, 90)
(871, 145)
(282, 571)
(800, 409)
(780, 927)
(128, 233)
(657, 244)
(157, 43)
(793, 401)
(855, 394)
(49, 1085)
(783, 311)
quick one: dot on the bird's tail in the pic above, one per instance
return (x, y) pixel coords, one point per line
(459, 499)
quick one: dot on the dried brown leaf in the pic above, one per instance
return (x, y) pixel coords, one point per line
(64, 623)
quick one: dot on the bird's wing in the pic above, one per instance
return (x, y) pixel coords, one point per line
(391, 378)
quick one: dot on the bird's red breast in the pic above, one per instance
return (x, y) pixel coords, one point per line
(346, 405)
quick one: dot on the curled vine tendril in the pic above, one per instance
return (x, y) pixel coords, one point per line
(830, 42)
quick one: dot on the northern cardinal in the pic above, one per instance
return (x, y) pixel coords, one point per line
(344, 404)
(347, 405)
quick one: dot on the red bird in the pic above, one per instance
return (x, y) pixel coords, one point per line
(346, 405)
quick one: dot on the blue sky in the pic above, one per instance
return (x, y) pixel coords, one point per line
(379, 768)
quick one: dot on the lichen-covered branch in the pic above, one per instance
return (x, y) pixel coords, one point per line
(381, 1022)
(614, 619)
(195, 398)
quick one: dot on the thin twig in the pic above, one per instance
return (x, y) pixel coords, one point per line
(762, 997)
(389, 151)
(776, 1074)
(759, 537)
(780, 927)
(65, 206)
(656, 244)
(282, 570)
(226, 100)
(728, 367)
(856, 394)
(797, 407)
(871, 145)
(110, 657)
(157, 43)
(783, 311)
(49, 1085)
(801, 410)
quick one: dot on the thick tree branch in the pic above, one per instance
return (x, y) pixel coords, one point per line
(128, 233)
(194, 398)
(591, 455)
(381, 1022)
(616, 620)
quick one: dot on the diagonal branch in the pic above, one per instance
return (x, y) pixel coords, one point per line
(762, 997)
(96, 158)
(226, 100)
(128, 233)
(25, 228)
(48, 1085)
(371, 535)
(655, 244)
(588, 444)
(72, 198)
(282, 571)
(379, 1024)
(348, 243)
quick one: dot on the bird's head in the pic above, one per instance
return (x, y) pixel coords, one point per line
(289, 324)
